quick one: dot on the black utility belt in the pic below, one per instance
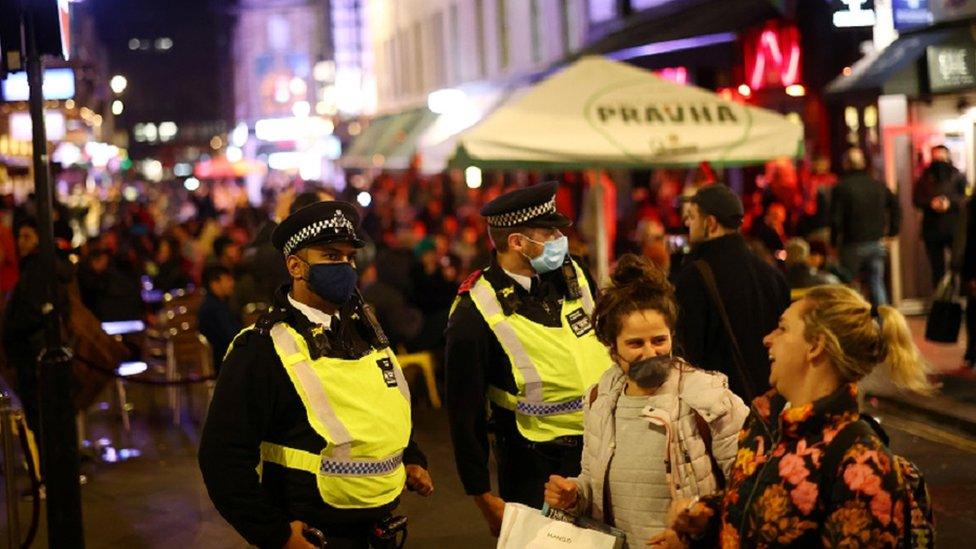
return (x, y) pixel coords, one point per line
(558, 443)
(386, 533)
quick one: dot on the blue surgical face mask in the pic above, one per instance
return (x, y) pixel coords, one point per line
(333, 282)
(552, 257)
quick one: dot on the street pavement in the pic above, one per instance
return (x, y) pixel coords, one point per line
(157, 499)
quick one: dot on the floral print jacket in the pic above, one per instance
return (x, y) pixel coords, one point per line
(774, 499)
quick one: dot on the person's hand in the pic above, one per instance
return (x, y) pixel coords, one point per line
(561, 493)
(971, 286)
(940, 203)
(297, 539)
(492, 508)
(418, 480)
(688, 517)
(668, 539)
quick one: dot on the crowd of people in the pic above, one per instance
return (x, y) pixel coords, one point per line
(493, 282)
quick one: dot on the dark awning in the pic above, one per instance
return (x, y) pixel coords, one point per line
(679, 20)
(874, 70)
(388, 141)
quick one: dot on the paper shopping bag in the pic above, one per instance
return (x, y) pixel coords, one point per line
(526, 528)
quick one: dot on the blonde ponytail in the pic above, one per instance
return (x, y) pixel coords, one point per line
(907, 367)
(856, 343)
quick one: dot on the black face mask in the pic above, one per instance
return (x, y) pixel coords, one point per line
(651, 373)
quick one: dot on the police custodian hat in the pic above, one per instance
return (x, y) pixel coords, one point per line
(321, 222)
(533, 206)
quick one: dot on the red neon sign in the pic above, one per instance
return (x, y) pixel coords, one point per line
(772, 56)
(678, 75)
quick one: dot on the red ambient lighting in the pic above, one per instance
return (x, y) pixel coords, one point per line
(772, 56)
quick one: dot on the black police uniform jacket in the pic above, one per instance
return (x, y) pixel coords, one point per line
(474, 359)
(255, 401)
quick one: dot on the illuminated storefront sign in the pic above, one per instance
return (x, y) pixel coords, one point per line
(854, 13)
(772, 56)
(910, 14)
(952, 66)
(58, 84)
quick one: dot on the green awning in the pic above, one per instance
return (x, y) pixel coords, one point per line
(388, 141)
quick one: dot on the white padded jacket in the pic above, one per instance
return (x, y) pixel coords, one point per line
(691, 390)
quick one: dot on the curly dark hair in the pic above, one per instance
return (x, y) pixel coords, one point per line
(636, 285)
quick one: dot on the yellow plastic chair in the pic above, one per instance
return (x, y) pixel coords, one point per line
(425, 362)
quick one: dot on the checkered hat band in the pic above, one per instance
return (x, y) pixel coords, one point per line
(360, 467)
(549, 408)
(511, 219)
(338, 224)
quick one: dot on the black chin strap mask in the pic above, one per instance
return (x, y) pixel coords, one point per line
(651, 373)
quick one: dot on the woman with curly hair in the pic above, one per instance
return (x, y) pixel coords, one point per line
(655, 428)
(792, 485)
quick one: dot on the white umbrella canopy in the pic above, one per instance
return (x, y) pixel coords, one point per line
(602, 113)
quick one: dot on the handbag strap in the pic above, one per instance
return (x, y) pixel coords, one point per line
(740, 364)
(705, 432)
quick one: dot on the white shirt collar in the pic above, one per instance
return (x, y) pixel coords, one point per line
(313, 315)
(523, 281)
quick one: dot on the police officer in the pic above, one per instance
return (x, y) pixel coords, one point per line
(520, 338)
(310, 420)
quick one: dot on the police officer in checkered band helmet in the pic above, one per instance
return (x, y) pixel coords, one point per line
(309, 426)
(520, 338)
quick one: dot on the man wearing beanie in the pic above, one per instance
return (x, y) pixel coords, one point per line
(752, 293)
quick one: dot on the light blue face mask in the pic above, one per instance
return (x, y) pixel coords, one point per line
(552, 257)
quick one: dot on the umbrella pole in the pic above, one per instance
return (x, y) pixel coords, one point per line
(600, 246)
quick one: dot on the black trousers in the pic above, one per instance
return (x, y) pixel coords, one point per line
(936, 247)
(971, 328)
(524, 466)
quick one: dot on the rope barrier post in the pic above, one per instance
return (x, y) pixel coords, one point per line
(9, 467)
(59, 435)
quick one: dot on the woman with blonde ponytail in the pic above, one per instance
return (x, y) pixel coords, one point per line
(783, 490)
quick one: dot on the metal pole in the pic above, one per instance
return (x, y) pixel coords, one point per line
(9, 468)
(59, 435)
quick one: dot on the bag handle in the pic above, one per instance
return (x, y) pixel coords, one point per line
(947, 287)
(740, 364)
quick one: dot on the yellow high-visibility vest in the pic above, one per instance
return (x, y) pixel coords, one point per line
(361, 408)
(553, 367)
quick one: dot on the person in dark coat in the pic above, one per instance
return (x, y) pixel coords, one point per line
(862, 213)
(968, 275)
(753, 292)
(940, 194)
(800, 270)
(215, 319)
(23, 324)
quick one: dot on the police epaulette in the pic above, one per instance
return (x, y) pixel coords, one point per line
(267, 320)
(469, 282)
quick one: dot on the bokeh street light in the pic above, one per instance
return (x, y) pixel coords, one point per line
(118, 84)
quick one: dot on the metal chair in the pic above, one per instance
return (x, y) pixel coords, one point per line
(424, 361)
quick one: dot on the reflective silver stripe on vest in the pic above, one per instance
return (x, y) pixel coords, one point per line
(360, 467)
(587, 299)
(549, 409)
(319, 402)
(485, 296)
